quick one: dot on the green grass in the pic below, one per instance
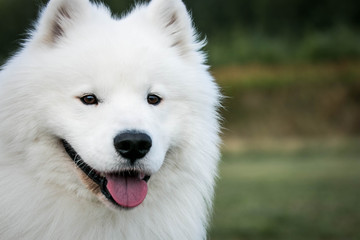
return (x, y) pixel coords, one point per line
(308, 193)
(239, 47)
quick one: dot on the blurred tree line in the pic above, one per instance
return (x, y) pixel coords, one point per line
(215, 18)
(275, 16)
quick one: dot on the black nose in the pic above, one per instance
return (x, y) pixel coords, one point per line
(132, 145)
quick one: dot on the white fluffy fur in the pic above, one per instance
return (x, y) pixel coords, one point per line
(77, 48)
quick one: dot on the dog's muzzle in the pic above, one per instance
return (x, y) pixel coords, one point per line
(124, 189)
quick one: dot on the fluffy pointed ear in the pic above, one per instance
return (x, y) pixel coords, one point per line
(57, 17)
(174, 20)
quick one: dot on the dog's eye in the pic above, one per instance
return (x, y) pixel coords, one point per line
(153, 99)
(89, 99)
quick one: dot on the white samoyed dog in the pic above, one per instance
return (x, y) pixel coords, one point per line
(108, 126)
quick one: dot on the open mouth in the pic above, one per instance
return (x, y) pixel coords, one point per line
(126, 189)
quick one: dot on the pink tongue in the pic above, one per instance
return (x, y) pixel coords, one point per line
(127, 191)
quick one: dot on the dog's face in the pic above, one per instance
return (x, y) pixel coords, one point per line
(119, 93)
(120, 123)
(106, 106)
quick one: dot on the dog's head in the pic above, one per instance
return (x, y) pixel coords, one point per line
(117, 95)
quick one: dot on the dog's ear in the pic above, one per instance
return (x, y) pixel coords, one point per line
(57, 17)
(175, 21)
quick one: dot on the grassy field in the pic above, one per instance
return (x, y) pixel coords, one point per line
(301, 100)
(291, 163)
(338, 43)
(309, 192)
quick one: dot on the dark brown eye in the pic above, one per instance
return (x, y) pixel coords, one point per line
(153, 99)
(90, 99)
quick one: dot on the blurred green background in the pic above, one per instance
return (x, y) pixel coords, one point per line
(291, 72)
